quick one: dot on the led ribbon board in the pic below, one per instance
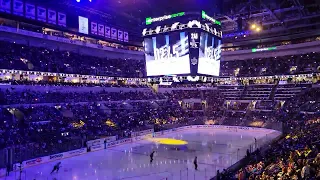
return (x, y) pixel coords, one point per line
(180, 26)
(150, 20)
(264, 49)
(205, 16)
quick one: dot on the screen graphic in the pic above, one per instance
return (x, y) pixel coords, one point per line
(167, 54)
(83, 25)
(209, 55)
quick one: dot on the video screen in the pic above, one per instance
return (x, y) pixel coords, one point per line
(167, 54)
(209, 54)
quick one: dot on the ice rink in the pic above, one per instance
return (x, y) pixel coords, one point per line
(215, 149)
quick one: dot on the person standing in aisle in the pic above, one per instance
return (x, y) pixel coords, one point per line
(8, 169)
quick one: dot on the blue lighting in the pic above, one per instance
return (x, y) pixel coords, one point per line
(78, 0)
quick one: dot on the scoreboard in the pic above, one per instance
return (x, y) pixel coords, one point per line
(167, 54)
(209, 54)
(189, 46)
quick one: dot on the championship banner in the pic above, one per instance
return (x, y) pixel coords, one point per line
(62, 19)
(94, 28)
(120, 35)
(18, 7)
(52, 16)
(107, 32)
(125, 36)
(41, 14)
(101, 30)
(113, 33)
(30, 11)
(5, 6)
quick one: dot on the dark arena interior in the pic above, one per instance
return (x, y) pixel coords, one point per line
(159, 90)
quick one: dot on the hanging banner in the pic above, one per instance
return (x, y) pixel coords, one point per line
(94, 28)
(125, 36)
(52, 16)
(41, 14)
(120, 35)
(5, 6)
(107, 32)
(113, 33)
(30, 11)
(62, 19)
(18, 7)
(101, 30)
(83, 25)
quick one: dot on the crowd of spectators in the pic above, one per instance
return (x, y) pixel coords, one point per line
(38, 123)
(212, 101)
(23, 57)
(245, 35)
(62, 120)
(37, 97)
(69, 125)
(283, 65)
(119, 84)
(295, 156)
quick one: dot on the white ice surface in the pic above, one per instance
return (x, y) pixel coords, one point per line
(215, 149)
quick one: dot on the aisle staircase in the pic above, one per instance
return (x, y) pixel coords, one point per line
(231, 92)
(257, 92)
(273, 91)
(287, 91)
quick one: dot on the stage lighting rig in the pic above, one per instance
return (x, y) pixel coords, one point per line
(256, 27)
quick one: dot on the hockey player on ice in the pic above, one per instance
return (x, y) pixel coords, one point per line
(151, 156)
(195, 162)
(56, 167)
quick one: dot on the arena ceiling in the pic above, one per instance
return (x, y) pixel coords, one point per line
(274, 15)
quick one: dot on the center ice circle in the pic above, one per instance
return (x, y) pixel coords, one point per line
(169, 141)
